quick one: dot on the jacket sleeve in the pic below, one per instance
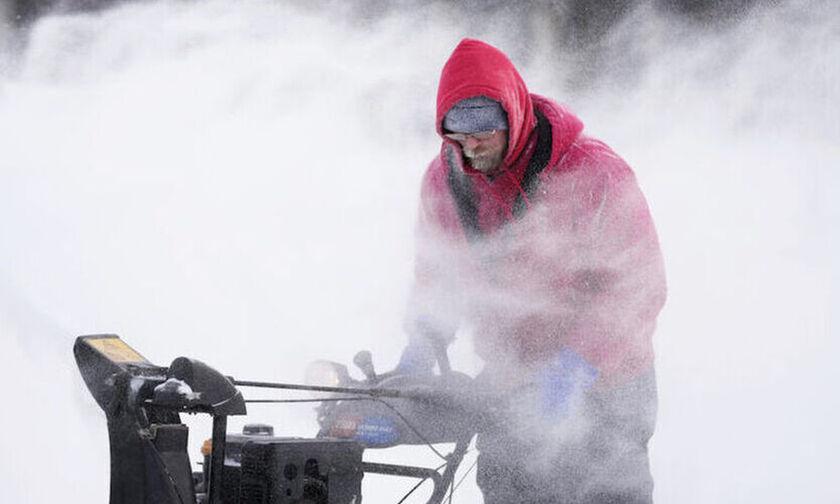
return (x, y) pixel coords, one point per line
(434, 305)
(612, 277)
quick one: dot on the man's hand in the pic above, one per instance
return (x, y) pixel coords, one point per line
(563, 381)
(427, 340)
(418, 358)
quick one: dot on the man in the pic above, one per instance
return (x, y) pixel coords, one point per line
(537, 240)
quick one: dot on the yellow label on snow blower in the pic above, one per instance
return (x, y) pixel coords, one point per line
(116, 349)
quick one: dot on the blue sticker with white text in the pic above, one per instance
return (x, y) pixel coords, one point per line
(377, 430)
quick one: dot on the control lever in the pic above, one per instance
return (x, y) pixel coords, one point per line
(441, 355)
(364, 361)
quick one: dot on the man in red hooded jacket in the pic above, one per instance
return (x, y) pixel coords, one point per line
(537, 240)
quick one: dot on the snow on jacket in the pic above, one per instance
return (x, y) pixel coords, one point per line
(555, 250)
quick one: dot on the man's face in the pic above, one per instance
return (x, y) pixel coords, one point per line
(484, 150)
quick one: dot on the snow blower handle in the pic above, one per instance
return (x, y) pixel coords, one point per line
(442, 357)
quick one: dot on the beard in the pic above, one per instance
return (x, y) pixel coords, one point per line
(483, 160)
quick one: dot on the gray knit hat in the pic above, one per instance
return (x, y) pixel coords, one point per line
(474, 114)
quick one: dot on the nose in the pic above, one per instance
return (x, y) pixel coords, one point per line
(470, 143)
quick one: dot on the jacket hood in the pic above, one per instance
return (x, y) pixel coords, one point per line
(477, 68)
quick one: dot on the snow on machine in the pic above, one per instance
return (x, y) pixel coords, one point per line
(148, 443)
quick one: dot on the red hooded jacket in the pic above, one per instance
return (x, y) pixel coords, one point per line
(554, 250)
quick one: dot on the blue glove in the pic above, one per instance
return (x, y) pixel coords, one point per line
(420, 354)
(562, 381)
(418, 358)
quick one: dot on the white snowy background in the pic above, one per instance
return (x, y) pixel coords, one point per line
(237, 181)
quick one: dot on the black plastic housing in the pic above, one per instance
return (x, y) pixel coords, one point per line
(141, 401)
(289, 471)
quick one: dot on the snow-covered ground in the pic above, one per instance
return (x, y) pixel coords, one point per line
(236, 182)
